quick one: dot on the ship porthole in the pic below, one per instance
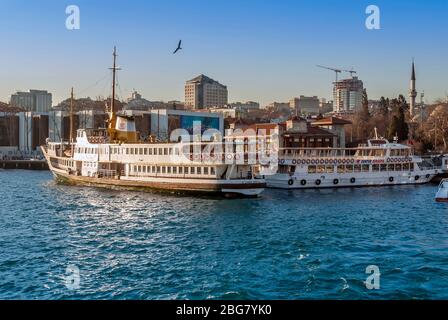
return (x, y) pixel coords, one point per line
(391, 179)
(303, 182)
(335, 181)
(352, 180)
(318, 182)
(427, 176)
(290, 182)
(416, 178)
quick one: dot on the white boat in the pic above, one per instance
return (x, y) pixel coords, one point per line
(116, 158)
(379, 163)
(442, 193)
(145, 166)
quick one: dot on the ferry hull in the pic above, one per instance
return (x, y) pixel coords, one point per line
(312, 181)
(249, 188)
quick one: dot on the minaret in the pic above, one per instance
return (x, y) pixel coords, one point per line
(412, 92)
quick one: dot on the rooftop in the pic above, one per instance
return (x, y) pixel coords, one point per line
(330, 121)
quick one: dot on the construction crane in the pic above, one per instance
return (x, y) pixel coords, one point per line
(350, 71)
(336, 71)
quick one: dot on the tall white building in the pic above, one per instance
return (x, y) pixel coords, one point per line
(203, 92)
(347, 95)
(34, 100)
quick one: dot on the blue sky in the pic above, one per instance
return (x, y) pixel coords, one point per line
(262, 50)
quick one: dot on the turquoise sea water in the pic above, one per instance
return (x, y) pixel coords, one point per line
(313, 244)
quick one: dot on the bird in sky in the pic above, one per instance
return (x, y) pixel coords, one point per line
(178, 47)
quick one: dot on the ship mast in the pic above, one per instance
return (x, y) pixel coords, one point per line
(113, 115)
(71, 117)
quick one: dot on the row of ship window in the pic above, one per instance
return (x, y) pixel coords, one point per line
(131, 151)
(345, 152)
(173, 170)
(146, 151)
(361, 168)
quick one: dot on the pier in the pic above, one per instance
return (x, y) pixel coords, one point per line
(24, 164)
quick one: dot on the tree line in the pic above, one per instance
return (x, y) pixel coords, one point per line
(427, 131)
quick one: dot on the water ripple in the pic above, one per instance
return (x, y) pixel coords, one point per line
(309, 244)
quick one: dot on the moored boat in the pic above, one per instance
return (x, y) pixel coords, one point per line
(115, 157)
(379, 163)
(442, 192)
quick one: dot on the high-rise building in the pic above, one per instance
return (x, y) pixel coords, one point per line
(305, 105)
(34, 100)
(203, 92)
(347, 95)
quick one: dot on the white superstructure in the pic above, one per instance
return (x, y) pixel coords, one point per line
(379, 163)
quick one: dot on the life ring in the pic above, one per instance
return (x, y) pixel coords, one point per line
(417, 177)
(294, 161)
(335, 181)
(352, 180)
(326, 161)
(391, 179)
(322, 161)
(318, 182)
(308, 161)
(290, 182)
(303, 182)
(352, 161)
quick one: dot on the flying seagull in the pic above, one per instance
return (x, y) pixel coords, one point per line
(178, 47)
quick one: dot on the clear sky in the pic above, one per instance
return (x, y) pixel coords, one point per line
(262, 50)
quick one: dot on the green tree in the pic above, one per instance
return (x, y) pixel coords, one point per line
(384, 107)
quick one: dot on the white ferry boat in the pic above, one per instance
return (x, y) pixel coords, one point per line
(379, 163)
(115, 158)
(144, 166)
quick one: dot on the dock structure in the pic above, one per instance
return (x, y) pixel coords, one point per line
(24, 164)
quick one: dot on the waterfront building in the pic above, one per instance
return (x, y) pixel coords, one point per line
(347, 95)
(245, 106)
(230, 112)
(336, 126)
(164, 121)
(325, 106)
(297, 132)
(305, 105)
(203, 92)
(34, 100)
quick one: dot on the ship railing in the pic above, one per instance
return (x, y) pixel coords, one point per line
(104, 173)
(316, 152)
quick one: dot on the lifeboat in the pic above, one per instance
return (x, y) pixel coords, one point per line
(442, 193)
